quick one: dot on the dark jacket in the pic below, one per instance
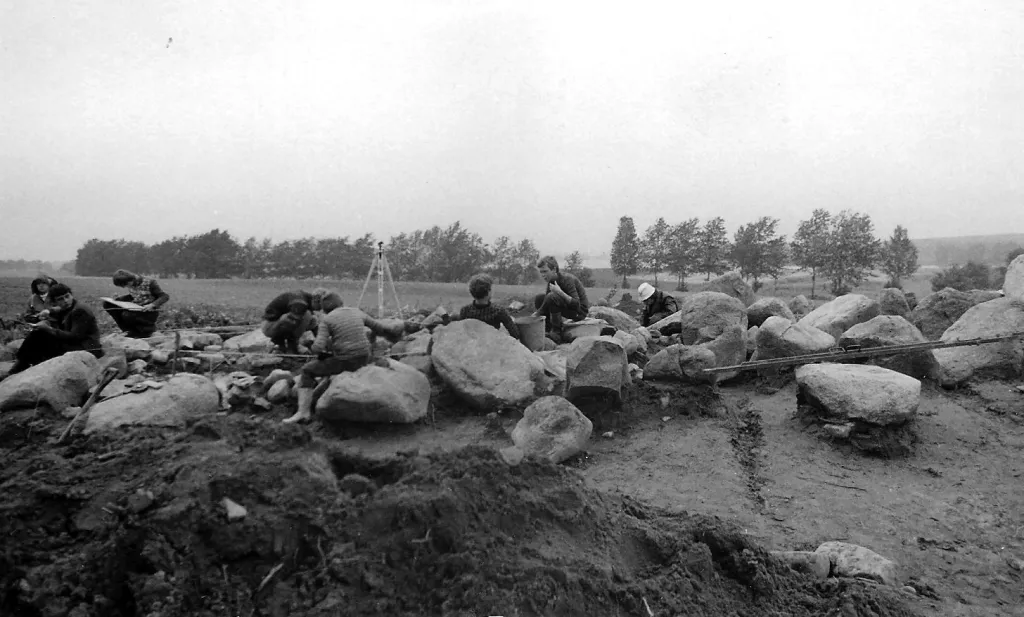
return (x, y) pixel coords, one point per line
(77, 330)
(662, 306)
(37, 304)
(279, 305)
(579, 306)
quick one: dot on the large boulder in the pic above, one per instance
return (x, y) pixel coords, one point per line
(1013, 284)
(781, 338)
(984, 295)
(842, 393)
(767, 307)
(553, 429)
(889, 330)
(398, 394)
(839, 315)
(850, 560)
(630, 342)
(892, 301)
(181, 398)
(800, 306)
(596, 365)
(133, 348)
(752, 340)
(616, 318)
(730, 349)
(250, 342)
(938, 311)
(484, 367)
(732, 284)
(60, 383)
(703, 316)
(995, 318)
(684, 363)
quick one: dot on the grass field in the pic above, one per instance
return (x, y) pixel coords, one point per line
(228, 301)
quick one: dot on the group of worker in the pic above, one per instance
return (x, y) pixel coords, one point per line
(62, 324)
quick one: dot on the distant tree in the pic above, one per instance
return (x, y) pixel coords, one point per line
(654, 252)
(972, 275)
(713, 248)
(758, 250)
(810, 243)
(504, 267)
(625, 255)
(683, 251)
(527, 256)
(851, 252)
(213, 255)
(898, 257)
(574, 265)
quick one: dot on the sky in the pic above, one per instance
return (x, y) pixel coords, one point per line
(550, 120)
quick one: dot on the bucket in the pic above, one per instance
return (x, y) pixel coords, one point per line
(531, 332)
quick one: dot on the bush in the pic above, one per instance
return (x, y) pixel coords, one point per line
(972, 275)
(893, 283)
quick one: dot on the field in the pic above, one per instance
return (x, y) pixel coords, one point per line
(735, 469)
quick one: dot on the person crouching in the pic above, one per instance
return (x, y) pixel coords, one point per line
(144, 291)
(76, 330)
(341, 346)
(290, 315)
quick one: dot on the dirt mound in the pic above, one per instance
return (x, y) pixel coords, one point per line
(135, 526)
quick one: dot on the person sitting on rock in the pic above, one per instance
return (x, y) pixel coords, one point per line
(76, 330)
(144, 291)
(657, 304)
(564, 298)
(289, 316)
(341, 345)
(482, 309)
(39, 306)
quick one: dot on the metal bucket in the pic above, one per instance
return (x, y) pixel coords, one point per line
(531, 332)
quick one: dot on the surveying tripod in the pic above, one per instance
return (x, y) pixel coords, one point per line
(380, 266)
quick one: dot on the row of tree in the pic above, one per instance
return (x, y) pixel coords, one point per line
(842, 248)
(436, 254)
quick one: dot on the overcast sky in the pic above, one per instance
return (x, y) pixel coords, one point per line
(549, 120)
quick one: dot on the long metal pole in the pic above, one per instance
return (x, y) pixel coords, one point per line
(860, 353)
(380, 280)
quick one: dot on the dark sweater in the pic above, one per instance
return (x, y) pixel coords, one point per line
(491, 315)
(77, 330)
(279, 305)
(579, 306)
(663, 305)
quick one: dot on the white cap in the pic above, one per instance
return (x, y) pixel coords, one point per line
(645, 291)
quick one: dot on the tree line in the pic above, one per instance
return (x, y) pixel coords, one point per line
(841, 248)
(447, 254)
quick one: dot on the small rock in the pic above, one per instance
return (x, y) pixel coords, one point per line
(140, 500)
(356, 484)
(516, 305)
(608, 435)
(666, 418)
(855, 561)
(213, 348)
(839, 431)
(279, 392)
(909, 589)
(235, 512)
(1015, 564)
(160, 356)
(136, 367)
(263, 403)
(512, 455)
(71, 412)
(261, 361)
(156, 385)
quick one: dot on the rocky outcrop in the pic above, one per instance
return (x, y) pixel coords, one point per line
(181, 398)
(596, 365)
(704, 316)
(842, 393)
(781, 338)
(1013, 284)
(892, 301)
(841, 314)
(995, 318)
(684, 363)
(889, 330)
(767, 307)
(553, 429)
(396, 394)
(800, 306)
(60, 383)
(732, 284)
(730, 349)
(938, 311)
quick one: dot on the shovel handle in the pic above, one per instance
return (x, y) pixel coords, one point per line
(108, 376)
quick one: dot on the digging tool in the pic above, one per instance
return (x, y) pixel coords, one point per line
(108, 376)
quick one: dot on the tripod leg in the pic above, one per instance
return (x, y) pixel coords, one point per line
(391, 281)
(369, 275)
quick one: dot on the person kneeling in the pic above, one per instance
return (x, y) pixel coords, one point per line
(341, 346)
(289, 316)
(76, 330)
(144, 291)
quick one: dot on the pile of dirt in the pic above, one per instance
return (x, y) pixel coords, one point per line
(135, 525)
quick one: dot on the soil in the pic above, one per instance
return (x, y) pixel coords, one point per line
(674, 511)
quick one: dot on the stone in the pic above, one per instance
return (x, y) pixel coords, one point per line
(555, 370)
(211, 359)
(732, 284)
(841, 393)
(140, 500)
(620, 320)
(781, 338)
(628, 342)
(850, 560)
(190, 339)
(516, 305)
(681, 363)
(800, 306)
(133, 348)
(263, 361)
(279, 391)
(892, 301)
(596, 365)
(995, 318)
(839, 431)
(276, 375)
(60, 383)
(1013, 283)
(815, 564)
(183, 397)
(414, 350)
(889, 330)
(512, 455)
(396, 394)
(251, 342)
(552, 429)
(768, 307)
(703, 316)
(116, 360)
(730, 349)
(841, 314)
(484, 367)
(234, 511)
(262, 403)
(213, 348)
(137, 367)
(938, 311)
(752, 340)
(643, 334)
(356, 484)
(159, 356)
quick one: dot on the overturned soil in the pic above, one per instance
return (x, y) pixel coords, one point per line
(134, 525)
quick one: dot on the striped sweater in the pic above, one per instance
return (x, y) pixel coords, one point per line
(342, 333)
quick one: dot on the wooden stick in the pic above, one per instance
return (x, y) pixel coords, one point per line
(108, 376)
(174, 357)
